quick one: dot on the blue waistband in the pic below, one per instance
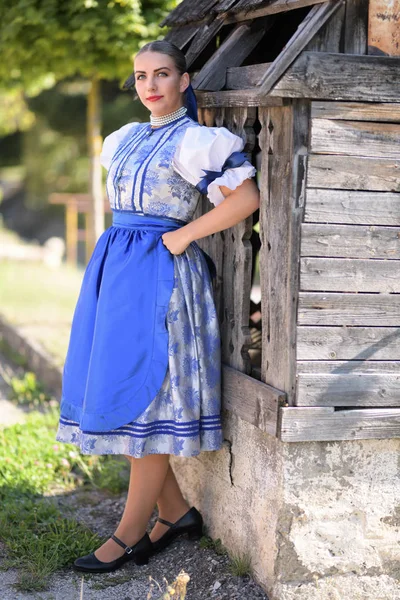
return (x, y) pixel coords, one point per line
(137, 221)
(153, 222)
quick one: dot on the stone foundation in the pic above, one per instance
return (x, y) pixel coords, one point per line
(320, 520)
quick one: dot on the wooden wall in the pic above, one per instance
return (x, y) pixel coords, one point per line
(348, 332)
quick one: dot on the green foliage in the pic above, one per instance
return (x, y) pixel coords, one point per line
(11, 354)
(27, 390)
(240, 565)
(216, 545)
(41, 42)
(14, 112)
(38, 538)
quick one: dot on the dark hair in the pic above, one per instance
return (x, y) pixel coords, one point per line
(168, 48)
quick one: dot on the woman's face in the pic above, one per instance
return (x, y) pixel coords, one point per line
(158, 83)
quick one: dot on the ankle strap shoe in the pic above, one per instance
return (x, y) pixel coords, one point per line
(191, 524)
(139, 553)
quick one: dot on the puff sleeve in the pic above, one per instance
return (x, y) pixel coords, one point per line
(111, 143)
(214, 150)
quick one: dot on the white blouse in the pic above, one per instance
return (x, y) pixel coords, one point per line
(200, 148)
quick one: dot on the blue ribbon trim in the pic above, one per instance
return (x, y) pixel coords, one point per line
(236, 159)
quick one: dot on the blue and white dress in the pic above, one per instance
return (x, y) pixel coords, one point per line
(143, 369)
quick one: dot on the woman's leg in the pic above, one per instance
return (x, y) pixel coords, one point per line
(146, 481)
(171, 505)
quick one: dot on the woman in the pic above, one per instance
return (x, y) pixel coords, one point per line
(142, 372)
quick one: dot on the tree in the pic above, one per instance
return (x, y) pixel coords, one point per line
(45, 41)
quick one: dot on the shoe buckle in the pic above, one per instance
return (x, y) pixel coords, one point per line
(128, 550)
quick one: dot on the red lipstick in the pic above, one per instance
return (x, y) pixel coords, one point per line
(153, 98)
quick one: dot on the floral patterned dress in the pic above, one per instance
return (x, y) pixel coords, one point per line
(152, 179)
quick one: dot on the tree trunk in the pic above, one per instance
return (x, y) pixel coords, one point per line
(94, 140)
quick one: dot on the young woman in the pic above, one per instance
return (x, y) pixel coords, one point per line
(142, 372)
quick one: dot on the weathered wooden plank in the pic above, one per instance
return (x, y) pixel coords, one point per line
(342, 206)
(356, 27)
(350, 241)
(304, 424)
(349, 275)
(274, 7)
(239, 98)
(283, 139)
(241, 78)
(355, 138)
(353, 173)
(348, 383)
(251, 400)
(330, 37)
(348, 343)
(232, 253)
(202, 10)
(180, 36)
(315, 19)
(384, 27)
(232, 52)
(356, 111)
(330, 308)
(348, 367)
(189, 12)
(329, 76)
(203, 36)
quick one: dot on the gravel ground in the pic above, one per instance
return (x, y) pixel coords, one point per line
(209, 572)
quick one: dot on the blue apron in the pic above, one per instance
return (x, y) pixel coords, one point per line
(117, 357)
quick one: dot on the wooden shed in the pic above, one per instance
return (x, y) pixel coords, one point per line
(313, 87)
(295, 80)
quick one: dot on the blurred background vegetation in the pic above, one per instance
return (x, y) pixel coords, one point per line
(51, 53)
(60, 58)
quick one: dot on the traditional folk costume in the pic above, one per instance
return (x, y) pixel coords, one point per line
(143, 369)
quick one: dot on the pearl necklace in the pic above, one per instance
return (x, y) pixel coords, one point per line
(165, 119)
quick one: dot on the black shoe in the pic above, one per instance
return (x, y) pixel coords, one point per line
(191, 523)
(139, 553)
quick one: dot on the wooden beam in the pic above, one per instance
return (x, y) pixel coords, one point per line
(180, 36)
(233, 98)
(232, 52)
(283, 139)
(348, 343)
(352, 208)
(356, 111)
(334, 308)
(350, 241)
(355, 138)
(330, 37)
(353, 173)
(251, 400)
(306, 424)
(241, 78)
(356, 27)
(348, 383)
(202, 38)
(350, 275)
(209, 10)
(274, 7)
(312, 23)
(331, 76)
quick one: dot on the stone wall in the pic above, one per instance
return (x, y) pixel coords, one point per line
(320, 520)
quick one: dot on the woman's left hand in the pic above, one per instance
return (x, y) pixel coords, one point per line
(176, 241)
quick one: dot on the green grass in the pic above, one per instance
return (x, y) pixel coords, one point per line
(240, 565)
(38, 538)
(216, 545)
(40, 301)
